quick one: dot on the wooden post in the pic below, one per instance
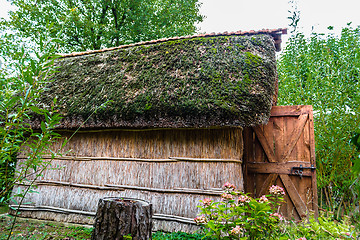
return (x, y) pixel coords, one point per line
(117, 217)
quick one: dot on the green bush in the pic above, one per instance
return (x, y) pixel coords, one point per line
(179, 236)
(322, 228)
(324, 71)
(238, 216)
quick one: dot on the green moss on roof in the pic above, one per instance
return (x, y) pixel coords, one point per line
(199, 82)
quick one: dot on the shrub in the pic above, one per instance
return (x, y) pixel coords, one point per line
(179, 236)
(321, 228)
(239, 216)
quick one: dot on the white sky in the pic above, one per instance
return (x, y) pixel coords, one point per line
(234, 15)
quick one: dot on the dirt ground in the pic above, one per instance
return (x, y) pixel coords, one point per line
(39, 229)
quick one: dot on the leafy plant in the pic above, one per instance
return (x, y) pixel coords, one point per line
(16, 133)
(19, 103)
(179, 236)
(98, 24)
(324, 71)
(320, 228)
(238, 216)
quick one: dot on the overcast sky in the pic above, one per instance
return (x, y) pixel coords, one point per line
(234, 15)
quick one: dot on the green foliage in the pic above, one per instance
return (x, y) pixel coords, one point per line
(179, 236)
(356, 140)
(322, 228)
(239, 216)
(22, 82)
(95, 24)
(19, 97)
(324, 71)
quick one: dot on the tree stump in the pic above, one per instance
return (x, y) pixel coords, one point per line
(117, 217)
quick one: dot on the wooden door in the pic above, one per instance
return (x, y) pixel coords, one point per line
(283, 153)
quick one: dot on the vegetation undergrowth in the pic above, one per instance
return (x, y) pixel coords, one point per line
(310, 230)
(34, 230)
(22, 82)
(239, 216)
(179, 236)
(323, 70)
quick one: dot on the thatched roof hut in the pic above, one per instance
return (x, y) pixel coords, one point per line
(171, 130)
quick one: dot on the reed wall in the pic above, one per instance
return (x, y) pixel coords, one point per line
(171, 168)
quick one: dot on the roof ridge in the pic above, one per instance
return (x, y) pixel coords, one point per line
(275, 33)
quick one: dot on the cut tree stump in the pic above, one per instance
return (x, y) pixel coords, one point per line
(117, 217)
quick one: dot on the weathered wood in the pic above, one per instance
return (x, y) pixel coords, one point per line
(279, 168)
(295, 196)
(249, 177)
(287, 141)
(117, 217)
(295, 135)
(290, 111)
(269, 151)
(280, 156)
(311, 143)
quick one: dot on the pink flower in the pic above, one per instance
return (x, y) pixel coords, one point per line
(302, 238)
(200, 219)
(206, 202)
(236, 230)
(226, 196)
(243, 198)
(263, 199)
(229, 186)
(276, 190)
(277, 215)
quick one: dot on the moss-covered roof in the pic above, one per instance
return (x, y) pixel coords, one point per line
(198, 82)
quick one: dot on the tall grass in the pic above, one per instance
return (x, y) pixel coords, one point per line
(324, 71)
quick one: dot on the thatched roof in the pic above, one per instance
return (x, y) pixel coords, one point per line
(190, 82)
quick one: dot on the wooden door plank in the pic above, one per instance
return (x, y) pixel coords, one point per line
(312, 160)
(248, 135)
(279, 168)
(294, 196)
(265, 144)
(290, 111)
(295, 135)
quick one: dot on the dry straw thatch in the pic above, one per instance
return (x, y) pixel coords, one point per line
(197, 82)
(172, 168)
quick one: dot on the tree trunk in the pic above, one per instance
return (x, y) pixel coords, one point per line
(117, 217)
